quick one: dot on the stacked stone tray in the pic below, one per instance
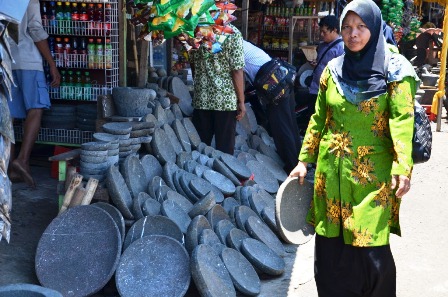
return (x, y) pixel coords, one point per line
(95, 159)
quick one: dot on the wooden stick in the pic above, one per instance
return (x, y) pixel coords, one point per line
(70, 173)
(90, 191)
(74, 183)
(80, 192)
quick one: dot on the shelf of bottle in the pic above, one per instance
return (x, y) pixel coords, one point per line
(100, 62)
(79, 93)
(85, 1)
(51, 135)
(275, 49)
(81, 28)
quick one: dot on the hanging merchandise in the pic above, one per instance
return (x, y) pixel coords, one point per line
(194, 23)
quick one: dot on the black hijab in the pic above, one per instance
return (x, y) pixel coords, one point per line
(363, 74)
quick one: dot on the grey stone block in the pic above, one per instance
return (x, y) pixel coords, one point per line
(235, 238)
(27, 290)
(275, 168)
(193, 135)
(173, 139)
(134, 175)
(200, 187)
(162, 148)
(219, 181)
(115, 214)
(219, 166)
(236, 166)
(222, 229)
(151, 166)
(203, 206)
(156, 183)
(263, 177)
(183, 202)
(151, 207)
(216, 214)
(257, 229)
(182, 135)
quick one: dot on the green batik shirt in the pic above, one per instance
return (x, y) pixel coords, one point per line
(213, 85)
(357, 148)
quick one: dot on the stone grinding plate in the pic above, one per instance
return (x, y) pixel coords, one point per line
(262, 257)
(119, 192)
(292, 205)
(152, 225)
(209, 273)
(27, 290)
(70, 256)
(197, 225)
(115, 214)
(154, 266)
(244, 277)
(222, 229)
(257, 229)
(180, 90)
(173, 211)
(151, 166)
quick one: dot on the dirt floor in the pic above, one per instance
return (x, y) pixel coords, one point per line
(421, 254)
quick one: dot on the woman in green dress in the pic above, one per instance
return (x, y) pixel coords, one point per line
(360, 137)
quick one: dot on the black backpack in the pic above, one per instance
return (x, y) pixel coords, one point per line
(422, 138)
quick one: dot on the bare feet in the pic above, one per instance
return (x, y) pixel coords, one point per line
(14, 177)
(25, 174)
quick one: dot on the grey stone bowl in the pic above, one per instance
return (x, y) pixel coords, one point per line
(132, 102)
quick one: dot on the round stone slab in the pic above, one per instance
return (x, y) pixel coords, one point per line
(168, 170)
(137, 205)
(219, 166)
(151, 166)
(197, 225)
(216, 214)
(242, 214)
(27, 290)
(203, 206)
(292, 204)
(134, 175)
(263, 177)
(262, 257)
(173, 211)
(257, 229)
(244, 277)
(153, 187)
(210, 274)
(162, 148)
(152, 225)
(235, 238)
(219, 181)
(181, 91)
(151, 207)
(268, 216)
(200, 187)
(272, 166)
(154, 266)
(195, 139)
(236, 166)
(115, 214)
(222, 229)
(182, 135)
(183, 202)
(173, 138)
(119, 192)
(86, 271)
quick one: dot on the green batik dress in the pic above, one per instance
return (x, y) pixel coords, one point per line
(213, 85)
(357, 148)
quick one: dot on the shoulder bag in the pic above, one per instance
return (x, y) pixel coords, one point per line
(422, 138)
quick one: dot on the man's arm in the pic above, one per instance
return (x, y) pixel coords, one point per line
(45, 51)
(238, 84)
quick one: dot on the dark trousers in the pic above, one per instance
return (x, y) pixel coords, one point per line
(284, 131)
(222, 124)
(342, 270)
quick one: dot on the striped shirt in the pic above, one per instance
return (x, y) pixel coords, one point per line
(254, 58)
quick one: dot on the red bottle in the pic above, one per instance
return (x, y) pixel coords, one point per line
(91, 19)
(83, 18)
(98, 18)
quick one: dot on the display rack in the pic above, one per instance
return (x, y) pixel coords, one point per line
(309, 27)
(102, 66)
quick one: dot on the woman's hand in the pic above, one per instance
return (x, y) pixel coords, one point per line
(299, 171)
(403, 183)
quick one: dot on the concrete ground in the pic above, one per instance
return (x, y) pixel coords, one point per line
(421, 254)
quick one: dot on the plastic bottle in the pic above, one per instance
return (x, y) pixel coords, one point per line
(70, 85)
(91, 19)
(82, 51)
(59, 52)
(44, 13)
(108, 54)
(52, 16)
(91, 52)
(77, 90)
(99, 54)
(67, 52)
(63, 85)
(98, 18)
(87, 86)
(107, 18)
(83, 18)
(60, 18)
(75, 18)
(52, 45)
(68, 18)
